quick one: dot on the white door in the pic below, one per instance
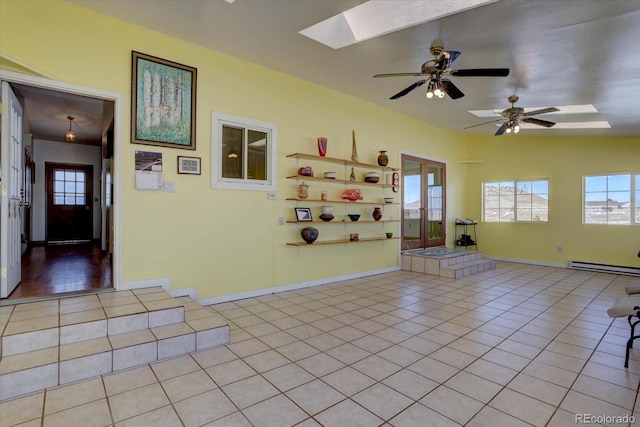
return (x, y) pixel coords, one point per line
(10, 192)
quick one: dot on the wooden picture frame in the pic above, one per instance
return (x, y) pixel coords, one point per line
(189, 165)
(303, 215)
(163, 102)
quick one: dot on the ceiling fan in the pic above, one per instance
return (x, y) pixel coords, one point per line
(435, 69)
(515, 115)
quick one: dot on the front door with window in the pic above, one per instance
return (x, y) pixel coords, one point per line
(423, 203)
(69, 196)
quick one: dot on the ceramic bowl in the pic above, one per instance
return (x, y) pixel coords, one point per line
(354, 217)
(388, 199)
(326, 217)
(330, 175)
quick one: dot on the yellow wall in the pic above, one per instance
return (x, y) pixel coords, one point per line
(220, 241)
(564, 161)
(227, 242)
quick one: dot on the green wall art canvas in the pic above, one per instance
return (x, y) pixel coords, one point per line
(163, 102)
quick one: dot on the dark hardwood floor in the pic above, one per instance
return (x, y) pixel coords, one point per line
(57, 269)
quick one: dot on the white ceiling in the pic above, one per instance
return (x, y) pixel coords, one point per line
(560, 53)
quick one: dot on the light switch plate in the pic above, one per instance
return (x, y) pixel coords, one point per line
(169, 187)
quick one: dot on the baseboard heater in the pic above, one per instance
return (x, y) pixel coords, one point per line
(604, 268)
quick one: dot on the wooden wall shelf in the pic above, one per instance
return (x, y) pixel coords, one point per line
(340, 242)
(342, 162)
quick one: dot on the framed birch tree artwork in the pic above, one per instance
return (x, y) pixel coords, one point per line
(163, 102)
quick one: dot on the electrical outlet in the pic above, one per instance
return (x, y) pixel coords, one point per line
(560, 249)
(281, 221)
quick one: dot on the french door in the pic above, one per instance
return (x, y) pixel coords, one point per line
(11, 191)
(423, 203)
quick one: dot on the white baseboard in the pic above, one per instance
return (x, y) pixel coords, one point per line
(293, 286)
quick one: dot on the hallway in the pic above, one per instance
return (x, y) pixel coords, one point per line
(57, 269)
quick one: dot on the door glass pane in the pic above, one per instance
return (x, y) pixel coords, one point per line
(435, 202)
(412, 200)
(58, 175)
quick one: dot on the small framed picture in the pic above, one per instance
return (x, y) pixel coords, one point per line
(303, 215)
(189, 165)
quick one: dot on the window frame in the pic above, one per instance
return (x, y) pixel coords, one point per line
(633, 193)
(515, 185)
(218, 120)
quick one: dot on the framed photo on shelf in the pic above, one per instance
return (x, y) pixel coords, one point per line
(303, 215)
(163, 102)
(189, 165)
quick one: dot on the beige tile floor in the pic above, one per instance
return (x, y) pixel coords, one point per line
(520, 345)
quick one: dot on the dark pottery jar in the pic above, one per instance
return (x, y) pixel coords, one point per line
(309, 234)
(377, 214)
(383, 159)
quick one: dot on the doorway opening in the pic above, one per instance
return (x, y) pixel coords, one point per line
(423, 203)
(68, 230)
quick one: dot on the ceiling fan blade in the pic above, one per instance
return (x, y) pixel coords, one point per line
(502, 128)
(409, 89)
(481, 72)
(451, 89)
(482, 124)
(541, 111)
(538, 122)
(398, 75)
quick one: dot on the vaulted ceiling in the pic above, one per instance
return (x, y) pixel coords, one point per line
(560, 53)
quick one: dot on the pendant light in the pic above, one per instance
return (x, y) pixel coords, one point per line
(70, 135)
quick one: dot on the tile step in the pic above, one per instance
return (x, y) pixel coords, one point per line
(458, 271)
(39, 359)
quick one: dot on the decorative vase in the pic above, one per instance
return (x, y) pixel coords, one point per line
(352, 177)
(309, 234)
(383, 159)
(377, 214)
(327, 213)
(354, 150)
(303, 191)
(322, 146)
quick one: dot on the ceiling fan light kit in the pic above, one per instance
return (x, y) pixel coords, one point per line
(515, 115)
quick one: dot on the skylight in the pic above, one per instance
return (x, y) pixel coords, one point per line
(378, 17)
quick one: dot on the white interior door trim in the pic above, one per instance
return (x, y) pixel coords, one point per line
(117, 99)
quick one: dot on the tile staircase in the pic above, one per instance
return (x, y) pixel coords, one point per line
(453, 266)
(58, 341)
